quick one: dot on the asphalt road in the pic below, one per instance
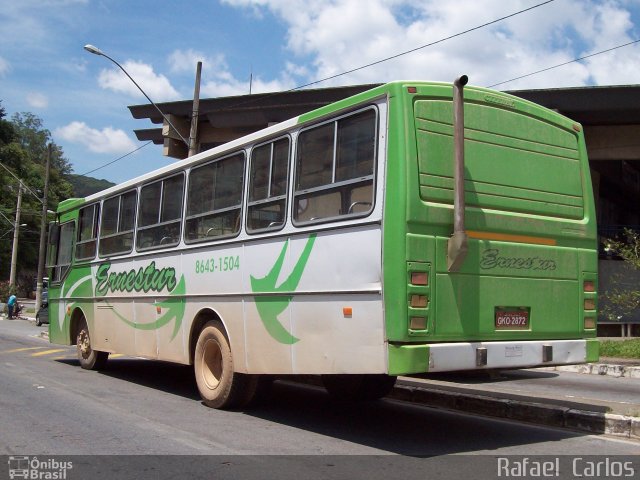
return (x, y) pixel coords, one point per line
(50, 406)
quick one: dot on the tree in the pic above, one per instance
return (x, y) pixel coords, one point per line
(623, 297)
(23, 149)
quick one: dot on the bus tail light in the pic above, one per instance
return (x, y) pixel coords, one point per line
(419, 278)
(589, 300)
(418, 323)
(418, 297)
(419, 301)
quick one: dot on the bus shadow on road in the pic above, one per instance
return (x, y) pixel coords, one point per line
(399, 427)
(168, 377)
(386, 425)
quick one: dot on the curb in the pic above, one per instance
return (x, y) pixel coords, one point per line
(532, 412)
(614, 370)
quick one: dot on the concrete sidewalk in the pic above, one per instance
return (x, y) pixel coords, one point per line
(616, 367)
(593, 415)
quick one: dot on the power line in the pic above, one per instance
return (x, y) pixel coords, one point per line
(22, 182)
(565, 63)
(11, 222)
(362, 67)
(424, 46)
(117, 159)
(246, 102)
(355, 70)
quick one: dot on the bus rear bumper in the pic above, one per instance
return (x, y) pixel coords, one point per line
(445, 357)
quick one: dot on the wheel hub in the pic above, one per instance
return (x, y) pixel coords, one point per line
(84, 344)
(212, 364)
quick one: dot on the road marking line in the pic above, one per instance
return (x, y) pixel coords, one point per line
(47, 352)
(116, 355)
(15, 350)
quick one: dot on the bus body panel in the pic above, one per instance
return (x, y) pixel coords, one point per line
(308, 332)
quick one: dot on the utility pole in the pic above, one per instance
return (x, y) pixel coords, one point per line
(43, 232)
(16, 228)
(193, 135)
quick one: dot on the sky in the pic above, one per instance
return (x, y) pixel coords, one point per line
(282, 44)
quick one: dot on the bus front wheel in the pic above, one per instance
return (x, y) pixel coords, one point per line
(89, 358)
(219, 385)
(358, 387)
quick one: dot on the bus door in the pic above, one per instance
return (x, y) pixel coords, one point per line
(61, 243)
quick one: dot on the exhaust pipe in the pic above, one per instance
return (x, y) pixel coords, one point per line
(457, 245)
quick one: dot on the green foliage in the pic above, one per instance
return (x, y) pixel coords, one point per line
(620, 348)
(24, 145)
(85, 186)
(23, 150)
(5, 291)
(623, 297)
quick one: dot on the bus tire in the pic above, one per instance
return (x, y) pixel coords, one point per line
(358, 387)
(219, 385)
(89, 358)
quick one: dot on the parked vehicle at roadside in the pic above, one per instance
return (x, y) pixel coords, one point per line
(43, 314)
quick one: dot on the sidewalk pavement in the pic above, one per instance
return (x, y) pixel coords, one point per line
(541, 411)
(616, 367)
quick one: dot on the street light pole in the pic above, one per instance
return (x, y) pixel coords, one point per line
(14, 250)
(43, 232)
(97, 51)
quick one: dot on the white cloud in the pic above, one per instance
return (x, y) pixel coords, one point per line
(334, 36)
(4, 67)
(37, 100)
(223, 82)
(107, 140)
(155, 85)
(184, 61)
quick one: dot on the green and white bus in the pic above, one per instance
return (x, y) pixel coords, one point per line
(378, 236)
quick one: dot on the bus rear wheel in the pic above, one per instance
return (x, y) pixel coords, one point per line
(358, 387)
(89, 358)
(219, 385)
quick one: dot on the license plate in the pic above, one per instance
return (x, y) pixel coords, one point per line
(512, 319)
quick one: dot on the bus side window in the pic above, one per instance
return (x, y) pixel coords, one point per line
(214, 199)
(160, 213)
(267, 204)
(87, 232)
(63, 251)
(335, 168)
(117, 224)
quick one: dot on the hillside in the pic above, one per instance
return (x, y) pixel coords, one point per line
(85, 186)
